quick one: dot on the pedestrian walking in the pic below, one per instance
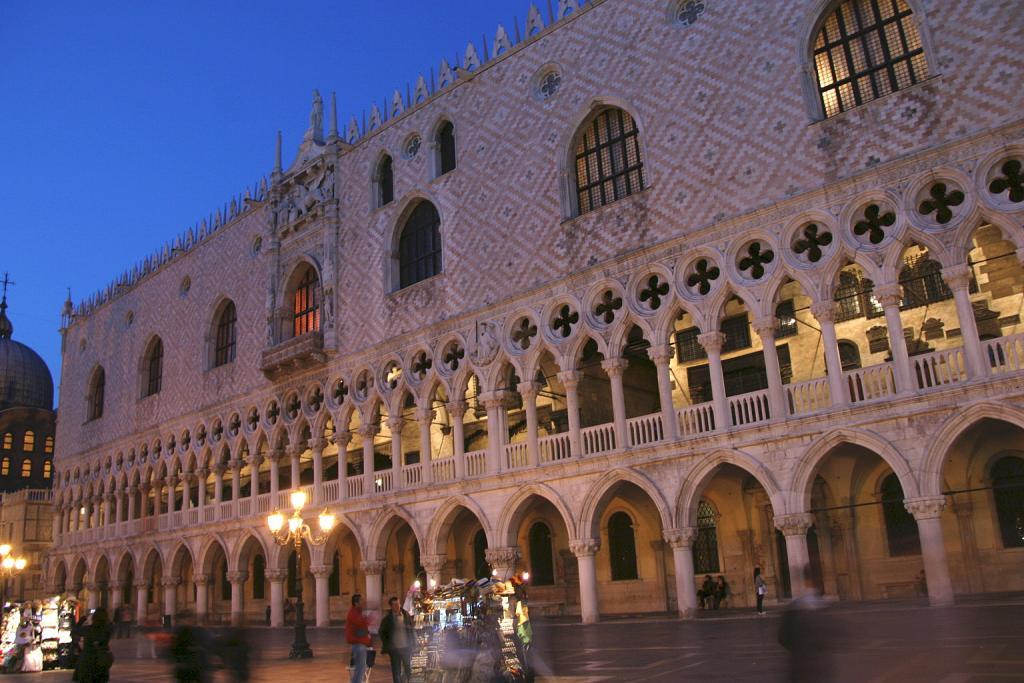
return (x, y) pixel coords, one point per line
(760, 589)
(357, 634)
(397, 639)
(188, 652)
(807, 632)
(96, 659)
(233, 647)
(267, 615)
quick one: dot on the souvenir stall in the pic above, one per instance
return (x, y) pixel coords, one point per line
(37, 635)
(471, 631)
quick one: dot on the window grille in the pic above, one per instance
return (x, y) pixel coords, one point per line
(28, 443)
(867, 49)
(608, 163)
(622, 547)
(785, 319)
(922, 282)
(688, 348)
(155, 368)
(224, 352)
(386, 181)
(306, 304)
(446, 148)
(705, 545)
(737, 333)
(419, 247)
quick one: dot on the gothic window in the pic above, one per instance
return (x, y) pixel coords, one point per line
(26, 468)
(867, 49)
(259, 575)
(306, 304)
(419, 246)
(28, 442)
(226, 342)
(446, 148)
(849, 355)
(542, 563)
(737, 333)
(96, 390)
(47, 469)
(622, 547)
(608, 163)
(785, 319)
(385, 181)
(5, 466)
(922, 282)
(900, 525)
(1008, 490)
(483, 569)
(705, 545)
(154, 368)
(8, 441)
(48, 445)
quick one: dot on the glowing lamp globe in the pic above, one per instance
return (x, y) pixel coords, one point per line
(275, 522)
(7, 563)
(5, 550)
(298, 499)
(20, 563)
(327, 521)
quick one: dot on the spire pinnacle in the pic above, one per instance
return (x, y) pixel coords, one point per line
(6, 328)
(332, 134)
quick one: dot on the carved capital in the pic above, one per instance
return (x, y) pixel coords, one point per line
(824, 311)
(528, 390)
(235, 464)
(372, 567)
(614, 366)
(202, 473)
(958, 277)
(711, 341)
(457, 409)
(368, 431)
(276, 455)
(276, 575)
(255, 460)
(395, 424)
(317, 444)
(294, 451)
(680, 538)
(506, 558)
(492, 400)
(570, 379)
(170, 581)
(219, 469)
(888, 295)
(321, 572)
(765, 327)
(584, 547)
(200, 579)
(237, 577)
(434, 563)
(794, 525)
(660, 355)
(343, 439)
(425, 415)
(172, 481)
(141, 585)
(926, 508)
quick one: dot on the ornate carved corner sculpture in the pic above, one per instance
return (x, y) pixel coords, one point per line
(794, 525)
(584, 547)
(485, 347)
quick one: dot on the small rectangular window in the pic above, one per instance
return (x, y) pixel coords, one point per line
(26, 468)
(737, 333)
(785, 319)
(688, 348)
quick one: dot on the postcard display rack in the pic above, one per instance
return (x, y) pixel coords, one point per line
(466, 632)
(36, 636)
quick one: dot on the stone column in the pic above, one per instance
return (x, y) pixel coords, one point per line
(765, 328)
(275, 476)
(317, 446)
(503, 561)
(972, 561)
(890, 296)
(661, 357)
(794, 527)
(712, 343)
(119, 507)
(434, 564)
(425, 418)
(237, 580)
(116, 589)
(172, 483)
(218, 486)
(615, 367)
(958, 278)
(368, 432)
(457, 409)
(825, 313)
(93, 599)
(277, 578)
(202, 597)
(342, 439)
(681, 542)
(928, 513)
(132, 491)
(141, 593)
(170, 586)
(584, 549)
(528, 391)
(201, 475)
(396, 424)
(187, 478)
(570, 379)
(294, 452)
(496, 432)
(323, 613)
(236, 480)
(373, 569)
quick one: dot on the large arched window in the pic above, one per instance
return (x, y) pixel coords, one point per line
(227, 335)
(385, 181)
(705, 545)
(867, 49)
(849, 354)
(97, 388)
(306, 303)
(28, 442)
(542, 562)
(608, 163)
(26, 468)
(154, 368)
(900, 525)
(445, 148)
(1008, 490)
(419, 245)
(622, 547)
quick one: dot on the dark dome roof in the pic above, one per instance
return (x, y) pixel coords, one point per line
(25, 381)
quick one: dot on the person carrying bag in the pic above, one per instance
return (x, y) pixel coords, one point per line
(357, 634)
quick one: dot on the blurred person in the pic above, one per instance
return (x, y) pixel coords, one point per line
(267, 615)
(234, 650)
(96, 659)
(806, 632)
(921, 584)
(706, 593)
(188, 652)
(760, 589)
(357, 634)
(397, 640)
(721, 591)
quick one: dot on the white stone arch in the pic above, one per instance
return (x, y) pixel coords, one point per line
(939, 445)
(569, 360)
(407, 204)
(241, 553)
(374, 178)
(893, 263)
(777, 280)
(697, 479)
(150, 555)
(961, 241)
(178, 555)
(216, 310)
(620, 332)
(207, 551)
(828, 276)
(344, 525)
(815, 17)
(603, 490)
(433, 146)
(444, 517)
(513, 509)
(566, 146)
(801, 478)
(716, 306)
(380, 532)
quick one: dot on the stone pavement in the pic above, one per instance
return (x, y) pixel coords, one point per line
(876, 643)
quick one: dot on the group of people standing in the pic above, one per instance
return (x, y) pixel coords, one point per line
(714, 593)
(397, 637)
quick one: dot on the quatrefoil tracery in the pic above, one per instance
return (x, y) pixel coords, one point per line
(704, 274)
(1012, 179)
(653, 292)
(874, 223)
(524, 333)
(606, 307)
(941, 202)
(563, 322)
(812, 242)
(453, 356)
(316, 399)
(421, 364)
(340, 391)
(756, 259)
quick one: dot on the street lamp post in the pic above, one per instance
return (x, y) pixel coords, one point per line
(10, 565)
(292, 533)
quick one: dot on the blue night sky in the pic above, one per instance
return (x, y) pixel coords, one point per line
(123, 123)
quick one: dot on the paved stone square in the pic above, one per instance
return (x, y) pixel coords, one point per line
(876, 643)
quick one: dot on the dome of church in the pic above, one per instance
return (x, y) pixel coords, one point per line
(25, 381)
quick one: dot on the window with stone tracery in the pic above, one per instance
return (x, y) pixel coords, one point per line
(705, 545)
(385, 181)
(97, 388)
(154, 368)
(224, 351)
(446, 148)
(419, 246)
(608, 163)
(306, 304)
(867, 49)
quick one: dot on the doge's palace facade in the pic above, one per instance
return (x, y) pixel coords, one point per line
(637, 292)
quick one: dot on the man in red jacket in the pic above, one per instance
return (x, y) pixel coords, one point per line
(357, 634)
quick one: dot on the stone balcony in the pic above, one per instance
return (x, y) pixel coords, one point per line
(293, 355)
